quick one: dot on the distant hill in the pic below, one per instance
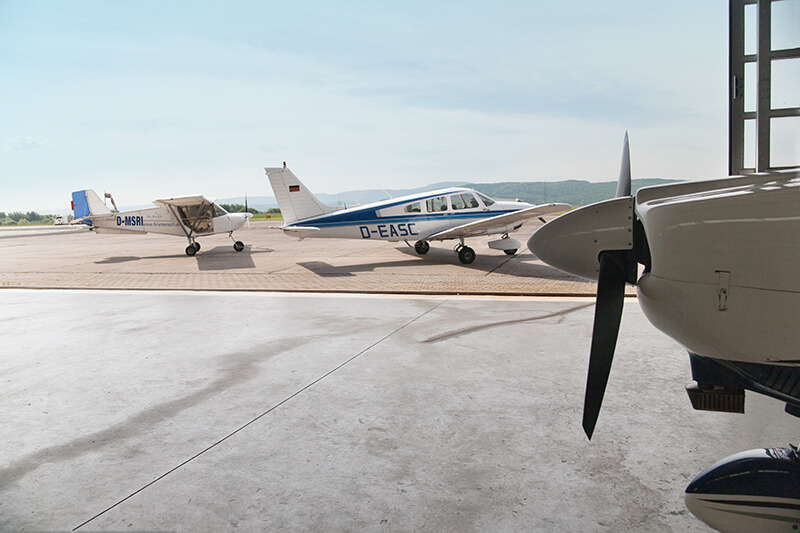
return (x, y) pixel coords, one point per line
(347, 198)
(574, 192)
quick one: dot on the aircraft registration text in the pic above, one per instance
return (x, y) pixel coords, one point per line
(387, 231)
(130, 221)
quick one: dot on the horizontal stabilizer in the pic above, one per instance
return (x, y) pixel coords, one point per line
(299, 231)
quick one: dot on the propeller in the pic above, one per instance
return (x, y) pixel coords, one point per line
(247, 213)
(602, 242)
(616, 268)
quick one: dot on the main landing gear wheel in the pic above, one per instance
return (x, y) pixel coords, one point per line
(238, 246)
(196, 246)
(191, 250)
(466, 255)
(422, 247)
(510, 252)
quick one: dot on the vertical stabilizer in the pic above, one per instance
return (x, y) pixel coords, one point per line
(86, 203)
(294, 199)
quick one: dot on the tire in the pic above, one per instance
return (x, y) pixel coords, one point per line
(196, 246)
(510, 252)
(238, 246)
(191, 250)
(422, 247)
(466, 255)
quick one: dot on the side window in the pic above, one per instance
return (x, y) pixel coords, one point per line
(457, 202)
(469, 201)
(437, 204)
(413, 208)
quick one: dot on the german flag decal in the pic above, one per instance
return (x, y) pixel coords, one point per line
(294, 188)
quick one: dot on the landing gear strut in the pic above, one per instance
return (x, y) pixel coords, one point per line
(237, 245)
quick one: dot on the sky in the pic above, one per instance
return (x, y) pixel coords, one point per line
(152, 99)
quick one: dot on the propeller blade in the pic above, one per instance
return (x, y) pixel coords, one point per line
(607, 318)
(624, 182)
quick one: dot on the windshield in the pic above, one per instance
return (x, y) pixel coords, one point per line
(486, 200)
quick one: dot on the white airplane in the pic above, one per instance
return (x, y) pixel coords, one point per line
(454, 213)
(720, 276)
(189, 216)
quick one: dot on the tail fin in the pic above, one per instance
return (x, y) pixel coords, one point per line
(86, 203)
(294, 199)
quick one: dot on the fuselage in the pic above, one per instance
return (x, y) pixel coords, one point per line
(409, 218)
(165, 220)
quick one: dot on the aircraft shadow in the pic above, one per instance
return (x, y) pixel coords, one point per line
(486, 264)
(217, 258)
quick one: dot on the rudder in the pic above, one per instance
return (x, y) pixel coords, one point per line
(295, 201)
(86, 203)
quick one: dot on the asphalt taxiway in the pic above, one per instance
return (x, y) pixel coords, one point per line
(75, 258)
(274, 411)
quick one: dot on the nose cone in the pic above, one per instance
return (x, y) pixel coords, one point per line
(756, 490)
(573, 241)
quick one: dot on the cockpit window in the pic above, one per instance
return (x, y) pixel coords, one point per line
(486, 200)
(413, 208)
(457, 202)
(436, 204)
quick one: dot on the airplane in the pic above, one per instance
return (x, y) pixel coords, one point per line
(189, 216)
(719, 275)
(454, 213)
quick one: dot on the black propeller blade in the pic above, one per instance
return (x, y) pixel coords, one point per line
(607, 318)
(616, 267)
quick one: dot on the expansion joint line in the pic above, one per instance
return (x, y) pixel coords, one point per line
(262, 415)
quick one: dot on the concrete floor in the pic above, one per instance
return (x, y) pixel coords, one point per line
(207, 411)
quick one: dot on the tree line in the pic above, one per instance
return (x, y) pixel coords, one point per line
(18, 218)
(239, 208)
(575, 192)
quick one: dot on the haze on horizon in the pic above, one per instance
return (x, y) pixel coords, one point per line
(148, 99)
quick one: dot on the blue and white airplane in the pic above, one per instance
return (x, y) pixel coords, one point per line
(454, 213)
(188, 216)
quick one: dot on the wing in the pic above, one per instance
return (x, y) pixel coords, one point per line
(500, 223)
(184, 201)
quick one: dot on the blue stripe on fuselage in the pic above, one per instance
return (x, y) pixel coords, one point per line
(370, 216)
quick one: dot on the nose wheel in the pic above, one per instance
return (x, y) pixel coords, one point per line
(237, 245)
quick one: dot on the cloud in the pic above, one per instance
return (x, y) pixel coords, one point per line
(25, 144)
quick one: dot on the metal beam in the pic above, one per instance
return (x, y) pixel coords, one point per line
(764, 90)
(736, 61)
